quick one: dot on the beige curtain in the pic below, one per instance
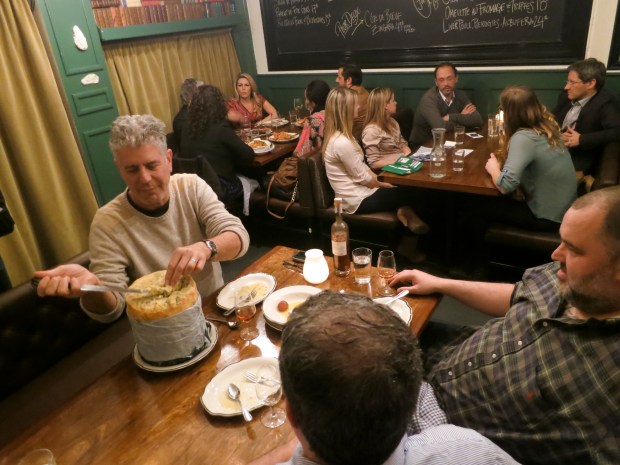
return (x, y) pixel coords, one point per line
(42, 174)
(146, 75)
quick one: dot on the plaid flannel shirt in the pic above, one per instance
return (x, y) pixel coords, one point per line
(541, 385)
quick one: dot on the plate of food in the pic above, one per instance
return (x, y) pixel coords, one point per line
(257, 285)
(300, 122)
(274, 122)
(400, 307)
(282, 136)
(261, 146)
(215, 398)
(262, 131)
(278, 306)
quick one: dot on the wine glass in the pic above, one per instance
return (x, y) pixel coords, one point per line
(245, 310)
(269, 392)
(386, 268)
(297, 104)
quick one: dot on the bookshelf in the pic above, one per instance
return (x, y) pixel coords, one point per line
(131, 19)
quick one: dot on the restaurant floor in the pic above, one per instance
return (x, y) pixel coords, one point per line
(81, 368)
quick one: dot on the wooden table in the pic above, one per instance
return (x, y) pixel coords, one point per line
(129, 416)
(473, 179)
(280, 149)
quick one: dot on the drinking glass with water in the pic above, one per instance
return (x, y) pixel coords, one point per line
(362, 258)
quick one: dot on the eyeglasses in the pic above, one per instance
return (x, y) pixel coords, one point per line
(574, 83)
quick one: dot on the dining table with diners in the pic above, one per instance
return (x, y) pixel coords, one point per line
(272, 139)
(194, 412)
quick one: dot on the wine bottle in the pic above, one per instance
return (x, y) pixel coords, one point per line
(340, 242)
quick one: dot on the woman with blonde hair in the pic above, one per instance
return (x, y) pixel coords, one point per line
(536, 162)
(381, 137)
(348, 175)
(248, 105)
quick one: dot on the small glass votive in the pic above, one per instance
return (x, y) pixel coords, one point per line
(492, 125)
(38, 457)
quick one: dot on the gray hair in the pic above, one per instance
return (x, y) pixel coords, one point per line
(137, 130)
(188, 89)
(589, 69)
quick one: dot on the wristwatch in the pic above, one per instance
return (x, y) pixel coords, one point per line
(212, 247)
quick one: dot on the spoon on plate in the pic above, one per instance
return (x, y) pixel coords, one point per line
(233, 393)
(231, 324)
(401, 294)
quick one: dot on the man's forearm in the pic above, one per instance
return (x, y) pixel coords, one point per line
(228, 245)
(490, 298)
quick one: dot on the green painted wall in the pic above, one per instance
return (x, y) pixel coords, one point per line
(483, 87)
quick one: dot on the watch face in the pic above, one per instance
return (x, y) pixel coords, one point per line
(212, 247)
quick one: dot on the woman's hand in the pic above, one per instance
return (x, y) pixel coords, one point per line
(494, 169)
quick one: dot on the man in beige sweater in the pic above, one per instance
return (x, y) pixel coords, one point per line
(350, 76)
(159, 222)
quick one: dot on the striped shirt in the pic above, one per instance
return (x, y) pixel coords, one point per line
(439, 445)
(542, 385)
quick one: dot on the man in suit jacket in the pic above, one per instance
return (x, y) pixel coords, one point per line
(443, 106)
(587, 114)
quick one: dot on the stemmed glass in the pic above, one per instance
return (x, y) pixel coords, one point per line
(297, 104)
(386, 267)
(269, 392)
(245, 310)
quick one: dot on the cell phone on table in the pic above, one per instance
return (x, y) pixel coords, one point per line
(299, 257)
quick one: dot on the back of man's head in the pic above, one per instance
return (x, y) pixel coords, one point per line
(137, 130)
(589, 69)
(351, 372)
(608, 200)
(351, 70)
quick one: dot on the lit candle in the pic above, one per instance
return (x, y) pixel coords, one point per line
(315, 267)
(501, 116)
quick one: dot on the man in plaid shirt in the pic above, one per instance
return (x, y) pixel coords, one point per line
(542, 380)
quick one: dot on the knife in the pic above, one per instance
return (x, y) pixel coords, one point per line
(97, 288)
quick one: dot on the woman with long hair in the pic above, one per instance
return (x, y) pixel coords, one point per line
(536, 163)
(210, 135)
(381, 137)
(348, 175)
(314, 127)
(248, 104)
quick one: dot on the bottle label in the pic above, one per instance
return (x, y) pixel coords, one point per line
(339, 248)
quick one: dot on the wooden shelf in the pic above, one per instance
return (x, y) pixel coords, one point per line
(148, 30)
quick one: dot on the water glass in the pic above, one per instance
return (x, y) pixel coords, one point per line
(386, 268)
(297, 104)
(362, 259)
(38, 457)
(269, 392)
(492, 126)
(292, 116)
(458, 159)
(245, 310)
(459, 135)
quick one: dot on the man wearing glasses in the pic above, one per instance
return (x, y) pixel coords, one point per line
(587, 114)
(443, 106)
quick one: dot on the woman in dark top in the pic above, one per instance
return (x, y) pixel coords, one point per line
(210, 135)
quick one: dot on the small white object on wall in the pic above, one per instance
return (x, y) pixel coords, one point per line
(90, 79)
(79, 39)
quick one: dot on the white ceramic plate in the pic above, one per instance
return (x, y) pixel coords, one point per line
(226, 299)
(274, 123)
(215, 399)
(140, 362)
(294, 295)
(400, 307)
(266, 149)
(291, 137)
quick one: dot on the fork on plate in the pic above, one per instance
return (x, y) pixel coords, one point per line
(254, 378)
(249, 298)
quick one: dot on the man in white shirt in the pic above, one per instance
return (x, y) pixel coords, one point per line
(352, 376)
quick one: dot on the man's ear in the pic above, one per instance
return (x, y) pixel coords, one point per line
(290, 415)
(169, 158)
(348, 82)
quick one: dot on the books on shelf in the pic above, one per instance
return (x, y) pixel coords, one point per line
(118, 13)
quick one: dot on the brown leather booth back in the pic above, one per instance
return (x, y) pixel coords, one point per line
(36, 332)
(322, 190)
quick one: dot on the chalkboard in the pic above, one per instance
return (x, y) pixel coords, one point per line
(317, 34)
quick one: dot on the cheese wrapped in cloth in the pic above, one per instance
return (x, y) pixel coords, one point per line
(167, 323)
